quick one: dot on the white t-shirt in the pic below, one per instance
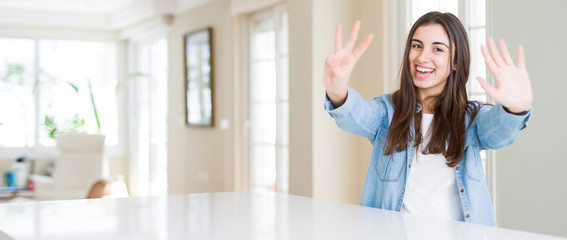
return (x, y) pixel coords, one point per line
(431, 187)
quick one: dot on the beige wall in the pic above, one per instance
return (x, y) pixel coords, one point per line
(336, 162)
(300, 102)
(200, 159)
(371, 84)
(244, 6)
(326, 162)
(531, 178)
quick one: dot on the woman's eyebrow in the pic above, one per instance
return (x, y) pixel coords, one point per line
(434, 43)
(441, 43)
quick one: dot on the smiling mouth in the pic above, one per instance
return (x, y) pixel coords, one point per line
(423, 72)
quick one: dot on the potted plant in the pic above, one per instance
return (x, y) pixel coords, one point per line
(74, 125)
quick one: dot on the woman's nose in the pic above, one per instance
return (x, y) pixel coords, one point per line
(423, 56)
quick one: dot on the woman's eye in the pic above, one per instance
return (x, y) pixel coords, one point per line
(416, 46)
(438, 49)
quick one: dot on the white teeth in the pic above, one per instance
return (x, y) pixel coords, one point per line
(422, 69)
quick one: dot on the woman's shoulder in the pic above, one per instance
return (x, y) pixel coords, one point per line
(384, 98)
(385, 103)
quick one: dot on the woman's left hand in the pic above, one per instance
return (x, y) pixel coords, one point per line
(513, 89)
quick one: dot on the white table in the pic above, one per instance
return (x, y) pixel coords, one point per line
(228, 216)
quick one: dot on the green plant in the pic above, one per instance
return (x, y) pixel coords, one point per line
(94, 105)
(72, 125)
(129, 78)
(15, 74)
(75, 124)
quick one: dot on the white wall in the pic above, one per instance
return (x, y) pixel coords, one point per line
(531, 178)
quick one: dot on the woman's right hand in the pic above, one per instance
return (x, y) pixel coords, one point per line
(339, 64)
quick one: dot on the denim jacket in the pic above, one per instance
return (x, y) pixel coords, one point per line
(384, 188)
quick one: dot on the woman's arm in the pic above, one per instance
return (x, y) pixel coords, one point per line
(339, 64)
(498, 126)
(358, 116)
(345, 105)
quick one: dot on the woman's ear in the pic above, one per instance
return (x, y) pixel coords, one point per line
(455, 67)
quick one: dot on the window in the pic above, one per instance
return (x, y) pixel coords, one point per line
(17, 103)
(51, 78)
(268, 100)
(148, 117)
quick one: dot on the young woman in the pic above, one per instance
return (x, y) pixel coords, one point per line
(427, 135)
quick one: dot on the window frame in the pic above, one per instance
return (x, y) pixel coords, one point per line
(245, 178)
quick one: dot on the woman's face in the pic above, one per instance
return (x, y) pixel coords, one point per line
(429, 59)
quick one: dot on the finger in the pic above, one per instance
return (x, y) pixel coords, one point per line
(521, 59)
(488, 60)
(505, 52)
(328, 72)
(353, 35)
(338, 40)
(362, 47)
(328, 59)
(494, 52)
(489, 89)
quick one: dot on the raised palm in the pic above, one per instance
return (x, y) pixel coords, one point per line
(513, 89)
(339, 64)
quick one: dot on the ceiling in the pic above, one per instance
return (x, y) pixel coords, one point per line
(87, 14)
(82, 6)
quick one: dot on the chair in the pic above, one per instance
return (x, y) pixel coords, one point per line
(108, 188)
(76, 170)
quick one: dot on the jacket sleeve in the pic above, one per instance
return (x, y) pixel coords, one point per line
(497, 128)
(357, 116)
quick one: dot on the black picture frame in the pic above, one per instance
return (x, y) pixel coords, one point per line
(199, 78)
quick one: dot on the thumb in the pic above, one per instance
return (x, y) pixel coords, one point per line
(489, 89)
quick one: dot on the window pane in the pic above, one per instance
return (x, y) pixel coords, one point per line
(269, 101)
(263, 121)
(451, 6)
(284, 84)
(284, 36)
(421, 7)
(17, 119)
(264, 40)
(73, 62)
(263, 81)
(478, 67)
(264, 162)
(283, 169)
(478, 13)
(284, 118)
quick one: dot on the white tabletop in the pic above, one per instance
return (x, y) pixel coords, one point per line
(228, 216)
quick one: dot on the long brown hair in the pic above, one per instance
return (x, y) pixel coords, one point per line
(450, 107)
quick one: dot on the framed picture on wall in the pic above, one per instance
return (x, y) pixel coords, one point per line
(198, 47)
